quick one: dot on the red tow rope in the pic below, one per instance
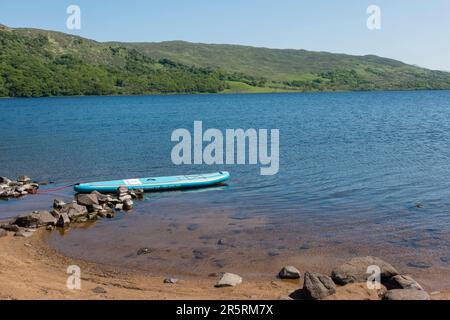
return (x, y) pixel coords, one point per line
(56, 189)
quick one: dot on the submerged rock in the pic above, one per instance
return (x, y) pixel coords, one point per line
(289, 272)
(229, 280)
(318, 286)
(355, 270)
(406, 294)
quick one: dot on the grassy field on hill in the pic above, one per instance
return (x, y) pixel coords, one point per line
(36, 63)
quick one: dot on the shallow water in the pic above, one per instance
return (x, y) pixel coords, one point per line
(353, 167)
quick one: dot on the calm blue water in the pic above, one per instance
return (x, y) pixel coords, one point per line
(356, 161)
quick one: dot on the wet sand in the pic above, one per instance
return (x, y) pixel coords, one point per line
(29, 269)
(206, 241)
(191, 240)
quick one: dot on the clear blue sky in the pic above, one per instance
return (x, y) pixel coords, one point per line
(414, 31)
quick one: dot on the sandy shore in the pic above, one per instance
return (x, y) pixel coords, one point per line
(29, 269)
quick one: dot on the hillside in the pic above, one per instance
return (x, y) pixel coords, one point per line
(37, 63)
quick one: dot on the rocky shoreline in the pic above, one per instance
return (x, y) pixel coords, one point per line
(313, 286)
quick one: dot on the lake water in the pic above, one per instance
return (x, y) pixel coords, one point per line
(353, 168)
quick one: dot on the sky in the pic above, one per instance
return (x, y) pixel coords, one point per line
(413, 31)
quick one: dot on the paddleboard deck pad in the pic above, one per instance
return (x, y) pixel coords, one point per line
(157, 183)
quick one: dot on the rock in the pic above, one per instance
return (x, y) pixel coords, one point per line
(406, 294)
(24, 179)
(87, 200)
(58, 204)
(403, 282)
(74, 210)
(45, 218)
(143, 251)
(110, 215)
(318, 286)
(221, 242)
(170, 280)
(96, 208)
(92, 217)
(139, 193)
(289, 272)
(99, 290)
(50, 228)
(82, 220)
(355, 270)
(122, 190)
(10, 227)
(128, 205)
(23, 234)
(124, 198)
(102, 198)
(5, 180)
(119, 206)
(3, 233)
(35, 220)
(229, 280)
(63, 220)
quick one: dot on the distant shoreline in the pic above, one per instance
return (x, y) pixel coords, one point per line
(224, 93)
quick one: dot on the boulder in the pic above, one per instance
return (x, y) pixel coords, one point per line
(102, 198)
(24, 179)
(10, 227)
(63, 220)
(406, 294)
(125, 197)
(45, 218)
(139, 193)
(355, 270)
(122, 190)
(97, 207)
(5, 180)
(229, 280)
(128, 205)
(58, 204)
(74, 210)
(3, 233)
(35, 220)
(318, 286)
(87, 200)
(403, 282)
(23, 234)
(289, 272)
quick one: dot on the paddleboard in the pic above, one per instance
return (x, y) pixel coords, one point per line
(156, 183)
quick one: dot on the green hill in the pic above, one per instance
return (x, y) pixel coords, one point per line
(36, 63)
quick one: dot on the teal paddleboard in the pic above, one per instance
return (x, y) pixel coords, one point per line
(156, 183)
